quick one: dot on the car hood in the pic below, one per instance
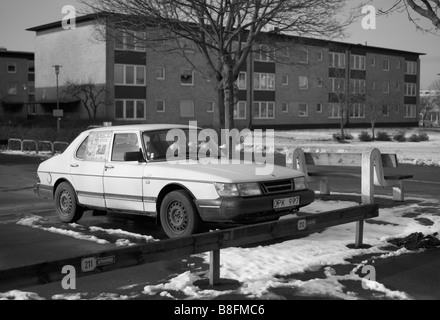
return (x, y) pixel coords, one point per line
(226, 173)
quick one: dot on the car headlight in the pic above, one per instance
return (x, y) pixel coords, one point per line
(249, 189)
(227, 189)
(300, 183)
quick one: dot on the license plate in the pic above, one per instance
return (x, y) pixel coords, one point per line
(286, 203)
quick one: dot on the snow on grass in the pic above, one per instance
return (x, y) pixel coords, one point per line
(33, 222)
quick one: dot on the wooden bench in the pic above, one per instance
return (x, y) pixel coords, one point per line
(372, 163)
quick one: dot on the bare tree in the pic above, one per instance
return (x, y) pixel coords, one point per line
(89, 93)
(430, 103)
(224, 31)
(415, 9)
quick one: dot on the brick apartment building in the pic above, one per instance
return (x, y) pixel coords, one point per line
(17, 84)
(302, 83)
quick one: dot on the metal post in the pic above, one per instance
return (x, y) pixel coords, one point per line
(57, 72)
(214, 268)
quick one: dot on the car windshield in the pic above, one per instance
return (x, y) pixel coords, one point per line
(179, 144)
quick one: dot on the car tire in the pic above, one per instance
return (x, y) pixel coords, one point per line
(178, 215)
(66, 205)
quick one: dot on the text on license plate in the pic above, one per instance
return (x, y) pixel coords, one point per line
(286, 202)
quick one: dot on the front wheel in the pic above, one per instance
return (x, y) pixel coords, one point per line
(178, 215)
(66, 206)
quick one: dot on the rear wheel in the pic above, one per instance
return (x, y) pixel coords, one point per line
(178, 215)
(66, 205)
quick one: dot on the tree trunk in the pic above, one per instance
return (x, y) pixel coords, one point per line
(228, 88)
(219, 111)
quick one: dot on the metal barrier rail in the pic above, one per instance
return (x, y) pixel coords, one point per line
(212, 242)
(32, 142)
(15, 140)
(53, 145)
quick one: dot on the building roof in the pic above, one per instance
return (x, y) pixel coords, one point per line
(17, 54)
(300, 40)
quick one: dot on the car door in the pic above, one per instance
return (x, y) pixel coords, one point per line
(87, 169)
(123, 179)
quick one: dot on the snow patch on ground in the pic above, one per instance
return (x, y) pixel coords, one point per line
(33, 221)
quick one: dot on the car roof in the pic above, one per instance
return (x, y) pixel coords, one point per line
(142, 127)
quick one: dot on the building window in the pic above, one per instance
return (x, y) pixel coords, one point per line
(12, 89)
(160, 106)
(396, 108)
(410, 89)
(130, 109)
(335, 111)
(319, 108)
(357, 62)
(319, 82)
(337, 85)
(303, 110)
(411, 67)
(31, 66)
(397, 86)
(373, 61)
(242, 81)
(12, 68)
(187, 77)
(303, 82)
(319, 56)
(264, 53)
(386, 87)
(337, 60)
(264, 110)
(398, 64)
(303, 56)
(357, 111)
(385, 110)
(187, 109)
(130, 41)
(160, 73)
(31, 88)
(357, 86)
(285, 80)
(128, 75)
(386, 65)
(264, 81)
(210, 106)
(410, 111)
(285, 107)
(285, 52)
(373, 85)
(240, 110)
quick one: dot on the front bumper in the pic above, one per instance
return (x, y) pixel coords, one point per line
(43, 191)
(255, 209)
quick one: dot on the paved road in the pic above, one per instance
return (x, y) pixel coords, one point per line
(419, 276)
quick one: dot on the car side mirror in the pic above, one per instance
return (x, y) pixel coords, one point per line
(134, 156)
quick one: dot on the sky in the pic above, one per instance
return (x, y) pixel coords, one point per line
(394, 31)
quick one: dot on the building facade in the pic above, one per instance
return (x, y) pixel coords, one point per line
(292, 83)
(17, 85)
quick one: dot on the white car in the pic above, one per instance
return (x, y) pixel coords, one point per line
(125, 169)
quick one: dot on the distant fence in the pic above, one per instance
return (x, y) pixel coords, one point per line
(37, 146)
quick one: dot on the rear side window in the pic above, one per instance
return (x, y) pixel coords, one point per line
(81, 152)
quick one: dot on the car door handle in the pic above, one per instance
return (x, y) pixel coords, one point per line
(74, 165)
(107, 166)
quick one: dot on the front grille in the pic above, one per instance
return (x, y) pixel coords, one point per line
(281, 186)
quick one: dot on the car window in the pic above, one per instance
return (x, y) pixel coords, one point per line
(124, 142)
(98, 146)
(81, 152)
